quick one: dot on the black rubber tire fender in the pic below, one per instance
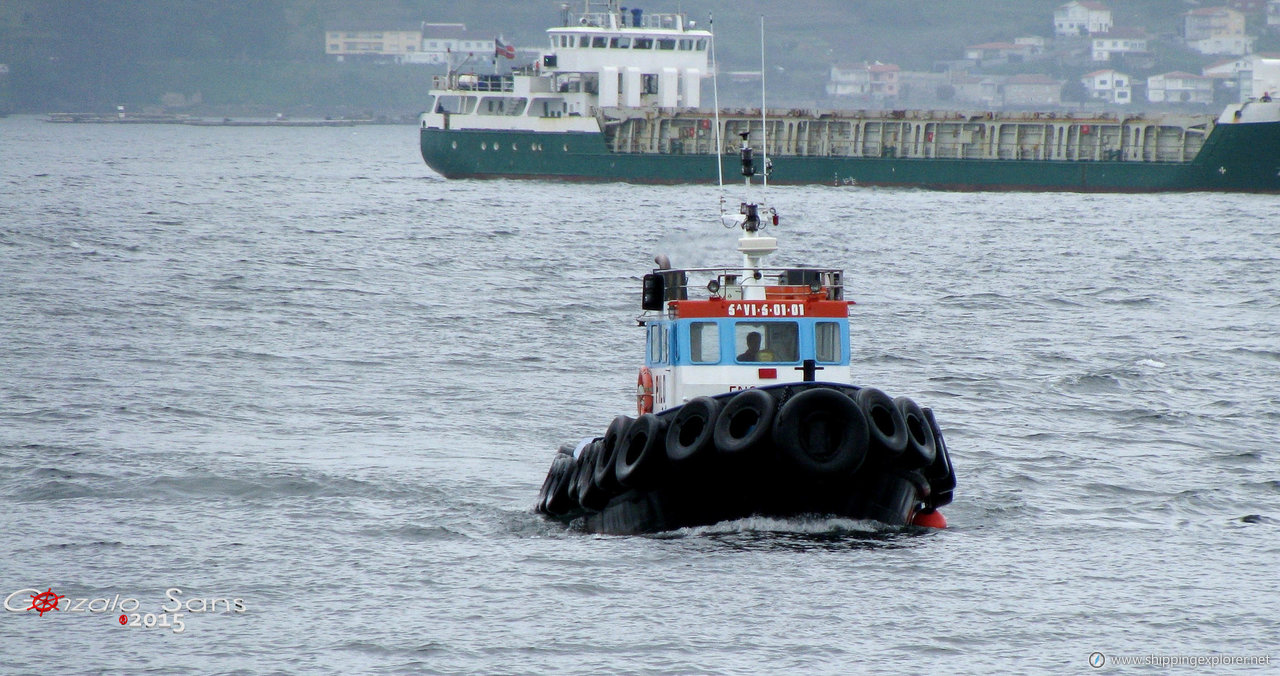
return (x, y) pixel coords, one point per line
(921, 447)
(642, 453)
(940, 473)
(884, 422)
(583, 472)
(558, 501)
(590, 496)
(604, 476)
(822, 431)
(691, 434)
(547, 483)
(745, 422)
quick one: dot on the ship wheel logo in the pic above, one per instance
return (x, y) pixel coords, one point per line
(45, 601)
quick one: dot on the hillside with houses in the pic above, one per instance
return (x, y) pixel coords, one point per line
(338, 57)
(1089, 59)
(1085, 53)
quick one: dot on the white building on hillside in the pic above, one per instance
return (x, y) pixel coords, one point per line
(1109, 85)
(1216, 30)
(1035, 42)
(875, 80)
(1179, 87)
(373, 42)
(998, 51)
(1119, 41)
(444, 41)
(1266, 78)
(1238, 73)
(1081, 17)
(1031, 90)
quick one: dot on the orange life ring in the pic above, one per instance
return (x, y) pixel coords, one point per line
(644, 391)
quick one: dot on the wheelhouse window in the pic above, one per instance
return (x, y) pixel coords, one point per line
(704, 342)
(598, 42)
(659, 345)
(767, 341)
(620, 43)
(644, 43)
(666, 44)
(826, 338)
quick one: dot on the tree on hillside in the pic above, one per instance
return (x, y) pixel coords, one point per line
(1074, 90)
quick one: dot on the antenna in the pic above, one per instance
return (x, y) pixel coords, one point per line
(764, 124)
(715, 97)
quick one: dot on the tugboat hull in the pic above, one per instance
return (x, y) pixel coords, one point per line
(780, 451)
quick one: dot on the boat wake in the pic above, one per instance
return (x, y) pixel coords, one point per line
(801, 525)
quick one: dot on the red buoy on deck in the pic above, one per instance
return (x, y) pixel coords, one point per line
(933, 519)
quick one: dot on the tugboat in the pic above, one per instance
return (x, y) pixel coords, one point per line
(745, 406)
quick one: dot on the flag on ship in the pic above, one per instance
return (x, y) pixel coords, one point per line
(501, 48)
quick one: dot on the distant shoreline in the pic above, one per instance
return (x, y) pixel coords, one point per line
(164, 118)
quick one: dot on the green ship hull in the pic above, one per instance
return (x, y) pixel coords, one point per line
(1235, 158)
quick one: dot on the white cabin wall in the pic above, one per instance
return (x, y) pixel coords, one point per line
(609, 87)
(668, 88)
(631, 87)
(692, 87)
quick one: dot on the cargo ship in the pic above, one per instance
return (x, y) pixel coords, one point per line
(618, 97)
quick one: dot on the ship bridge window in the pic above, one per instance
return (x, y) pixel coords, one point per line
(686, 45)
(704, 342)
(502, 105)
(767, 341)
(826, 339)
(666, 44)
(544, 107)
(644, 43)
(620, 43)
(569, 82)
(702, 45)
(463, 105)
(583, 40)
(598, 42)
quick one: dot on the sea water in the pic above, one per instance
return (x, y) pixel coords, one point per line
(299, 389)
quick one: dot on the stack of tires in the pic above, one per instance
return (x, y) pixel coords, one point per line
(781, 450)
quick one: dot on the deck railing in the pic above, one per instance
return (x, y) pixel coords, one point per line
(473, 82)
